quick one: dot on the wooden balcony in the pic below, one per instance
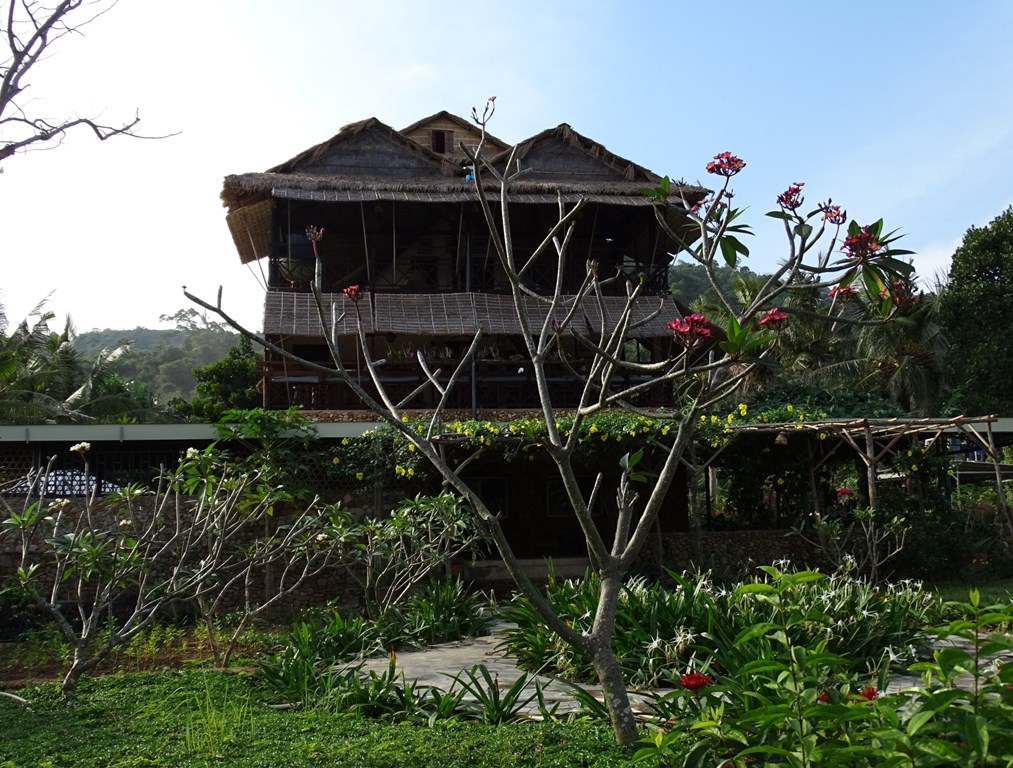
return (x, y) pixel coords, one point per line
(498, 384)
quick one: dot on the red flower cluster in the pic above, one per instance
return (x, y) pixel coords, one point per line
(791, 198)
(861, 245)
(773, 319)
(694, 681)
(690, 330)
(353, 292)
(833, 213)
(725, 164)
(842, 292)
(844, 493)
(902, 293)
(869, 693)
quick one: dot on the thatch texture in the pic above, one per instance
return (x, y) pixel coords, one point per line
(251, 230)
(563, 153)
(440, 314)
(288, 313)
(369, 148)
(465, 132)
(371, 161)
(451, 314)
(642, 325)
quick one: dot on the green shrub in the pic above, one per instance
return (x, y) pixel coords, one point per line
(304, 671)
(662, 629)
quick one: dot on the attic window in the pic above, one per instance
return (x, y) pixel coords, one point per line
(442, 142)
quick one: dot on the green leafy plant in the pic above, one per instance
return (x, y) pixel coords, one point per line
(489, 703)
(664, 628)
(216, 721)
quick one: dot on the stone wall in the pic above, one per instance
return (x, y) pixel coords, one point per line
(732, 554)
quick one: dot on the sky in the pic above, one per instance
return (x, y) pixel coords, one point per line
(900, 110)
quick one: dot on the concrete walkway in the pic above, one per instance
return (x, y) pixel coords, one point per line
(439, 664)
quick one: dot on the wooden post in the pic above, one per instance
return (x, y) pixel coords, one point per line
(870, 465)
(1001, 491)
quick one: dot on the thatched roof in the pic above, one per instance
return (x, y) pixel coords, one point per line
(369, 148)
(562, 153)
(493, 144)
(369, 161)
(451, 314)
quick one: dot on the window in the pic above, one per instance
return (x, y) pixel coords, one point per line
(442, 142)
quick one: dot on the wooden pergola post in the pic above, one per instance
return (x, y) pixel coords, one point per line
(870, 465)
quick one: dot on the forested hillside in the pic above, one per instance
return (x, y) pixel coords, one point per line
(163, 359)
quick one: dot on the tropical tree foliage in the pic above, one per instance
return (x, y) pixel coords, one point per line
(703, 369)
(44, 378)
(225, 385)
(975, 311)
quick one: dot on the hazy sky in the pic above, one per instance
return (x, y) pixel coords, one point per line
(901, 110)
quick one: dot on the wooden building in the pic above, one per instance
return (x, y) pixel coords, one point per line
(401, 220)
(400, 217)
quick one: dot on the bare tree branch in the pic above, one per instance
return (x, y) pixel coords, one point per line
(30, 29)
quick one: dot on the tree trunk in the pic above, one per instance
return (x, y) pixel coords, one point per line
(613, 688)
(82, 662)
(606, 665)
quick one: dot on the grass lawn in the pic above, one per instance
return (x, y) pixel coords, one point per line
(991, 592)
(201, 718)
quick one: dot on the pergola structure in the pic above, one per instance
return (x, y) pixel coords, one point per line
(874, 440)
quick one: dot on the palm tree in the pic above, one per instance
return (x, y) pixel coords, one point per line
(43, 378)
(905, 359)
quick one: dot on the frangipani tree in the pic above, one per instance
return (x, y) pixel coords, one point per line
(708, 364)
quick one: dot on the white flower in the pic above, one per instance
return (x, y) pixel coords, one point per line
(126, 523)
(81, 447)
(322, 538)
(192, 453)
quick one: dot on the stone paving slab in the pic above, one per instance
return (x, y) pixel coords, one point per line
(437, 666)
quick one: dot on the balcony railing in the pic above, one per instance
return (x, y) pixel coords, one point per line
(498, 384)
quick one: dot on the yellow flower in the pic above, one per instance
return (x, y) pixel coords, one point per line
(404, 419)
(914, 467)
(593, 428)
(344, 441)
(780, 481)
(411, 472)
(399, 470)
(823, 435)
(714, 419)
(665, 429)
(411, 447)
(790, 407)
(335, 460)
(743, 408)
(358, 475)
